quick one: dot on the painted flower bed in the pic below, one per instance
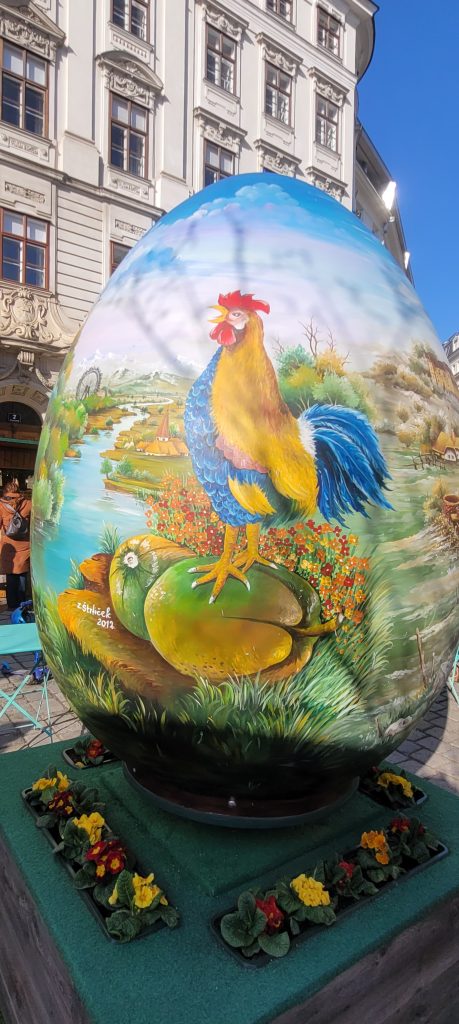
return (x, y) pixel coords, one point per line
(125, 902)
(266, 923)
(324, 555)
(88, 752)
(391, 789)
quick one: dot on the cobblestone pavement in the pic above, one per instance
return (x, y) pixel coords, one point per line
(431, 751)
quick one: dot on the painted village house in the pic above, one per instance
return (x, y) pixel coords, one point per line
(447, 447)
(114, 111)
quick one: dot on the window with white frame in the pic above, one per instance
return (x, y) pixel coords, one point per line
(328, 32)
(220, 59)
(218, 163)
(283, 8)
(24, 98)
(131, 15)
(278, 93)
(456, 343)
(327, 115)
(24, 249)
(128, 136)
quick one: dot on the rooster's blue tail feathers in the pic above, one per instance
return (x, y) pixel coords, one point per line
(350, 465)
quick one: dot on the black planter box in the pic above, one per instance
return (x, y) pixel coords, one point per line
(72, 759)
(348, 906)
(402, 805)
(97, 910)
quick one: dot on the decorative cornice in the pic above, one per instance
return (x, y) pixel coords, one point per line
(129, 229)
(127, 76)
(275, 160)
(325, 87)
(221, 19)
(327, 183)
(25, 193)
(215, 129)
(134, 187)
(25, 25)
(279, 55)
(26, 315)
(15, 139)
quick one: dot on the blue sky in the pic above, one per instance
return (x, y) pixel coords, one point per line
(408, 105)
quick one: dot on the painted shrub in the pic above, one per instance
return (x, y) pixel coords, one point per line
(245, 532)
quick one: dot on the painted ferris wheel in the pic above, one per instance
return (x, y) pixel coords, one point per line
(89, 383)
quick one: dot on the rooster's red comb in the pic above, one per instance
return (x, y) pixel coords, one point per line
(234, 300)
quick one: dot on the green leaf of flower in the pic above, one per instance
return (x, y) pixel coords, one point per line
(170, 916)
(246, 906)
(276, 945)
(46, 820)
(102, 892)
(85, 878)
(235, 931)
(149, 917)
(123, 925)
(250, 951)
(320, 915)
(125, 889)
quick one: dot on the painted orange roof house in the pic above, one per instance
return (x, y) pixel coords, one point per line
(164, 444)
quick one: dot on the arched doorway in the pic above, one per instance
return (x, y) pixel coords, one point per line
(20, 427)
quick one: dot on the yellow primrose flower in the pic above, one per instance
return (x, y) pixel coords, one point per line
(41, 784)
(63, 782)
(144, 891)
(376, 841)
(92, 824)
(310, 891)
(386, 778)
(114, 896)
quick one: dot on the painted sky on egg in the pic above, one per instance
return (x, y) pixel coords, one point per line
(288, 243)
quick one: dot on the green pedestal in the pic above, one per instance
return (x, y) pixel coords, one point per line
(185, 976)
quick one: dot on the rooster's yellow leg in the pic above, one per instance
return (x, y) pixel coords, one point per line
(220, 570)
(251, 554)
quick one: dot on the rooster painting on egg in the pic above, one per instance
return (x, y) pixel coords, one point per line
(254, 459)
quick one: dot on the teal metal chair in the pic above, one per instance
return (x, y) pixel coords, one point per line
(24, 639)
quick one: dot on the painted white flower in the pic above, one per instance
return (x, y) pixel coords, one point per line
(131, 560)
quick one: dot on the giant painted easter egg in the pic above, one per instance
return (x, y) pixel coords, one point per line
(246, 507)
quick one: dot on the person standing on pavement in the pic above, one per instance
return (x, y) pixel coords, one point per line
(15, 509)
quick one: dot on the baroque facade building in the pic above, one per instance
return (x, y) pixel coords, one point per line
(114, 111)
(452, 354)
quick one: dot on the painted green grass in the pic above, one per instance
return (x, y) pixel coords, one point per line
(314, 717)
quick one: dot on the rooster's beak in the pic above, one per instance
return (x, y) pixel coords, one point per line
(222, 314)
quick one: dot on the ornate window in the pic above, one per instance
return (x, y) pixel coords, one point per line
(128, 136)
(328, 32)
(281, 7)
(220, 59)
(24, 89)
(327, 115)
(25, 245)
(117, 254)
(218, 163)
(278, 93)
(131, 15)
